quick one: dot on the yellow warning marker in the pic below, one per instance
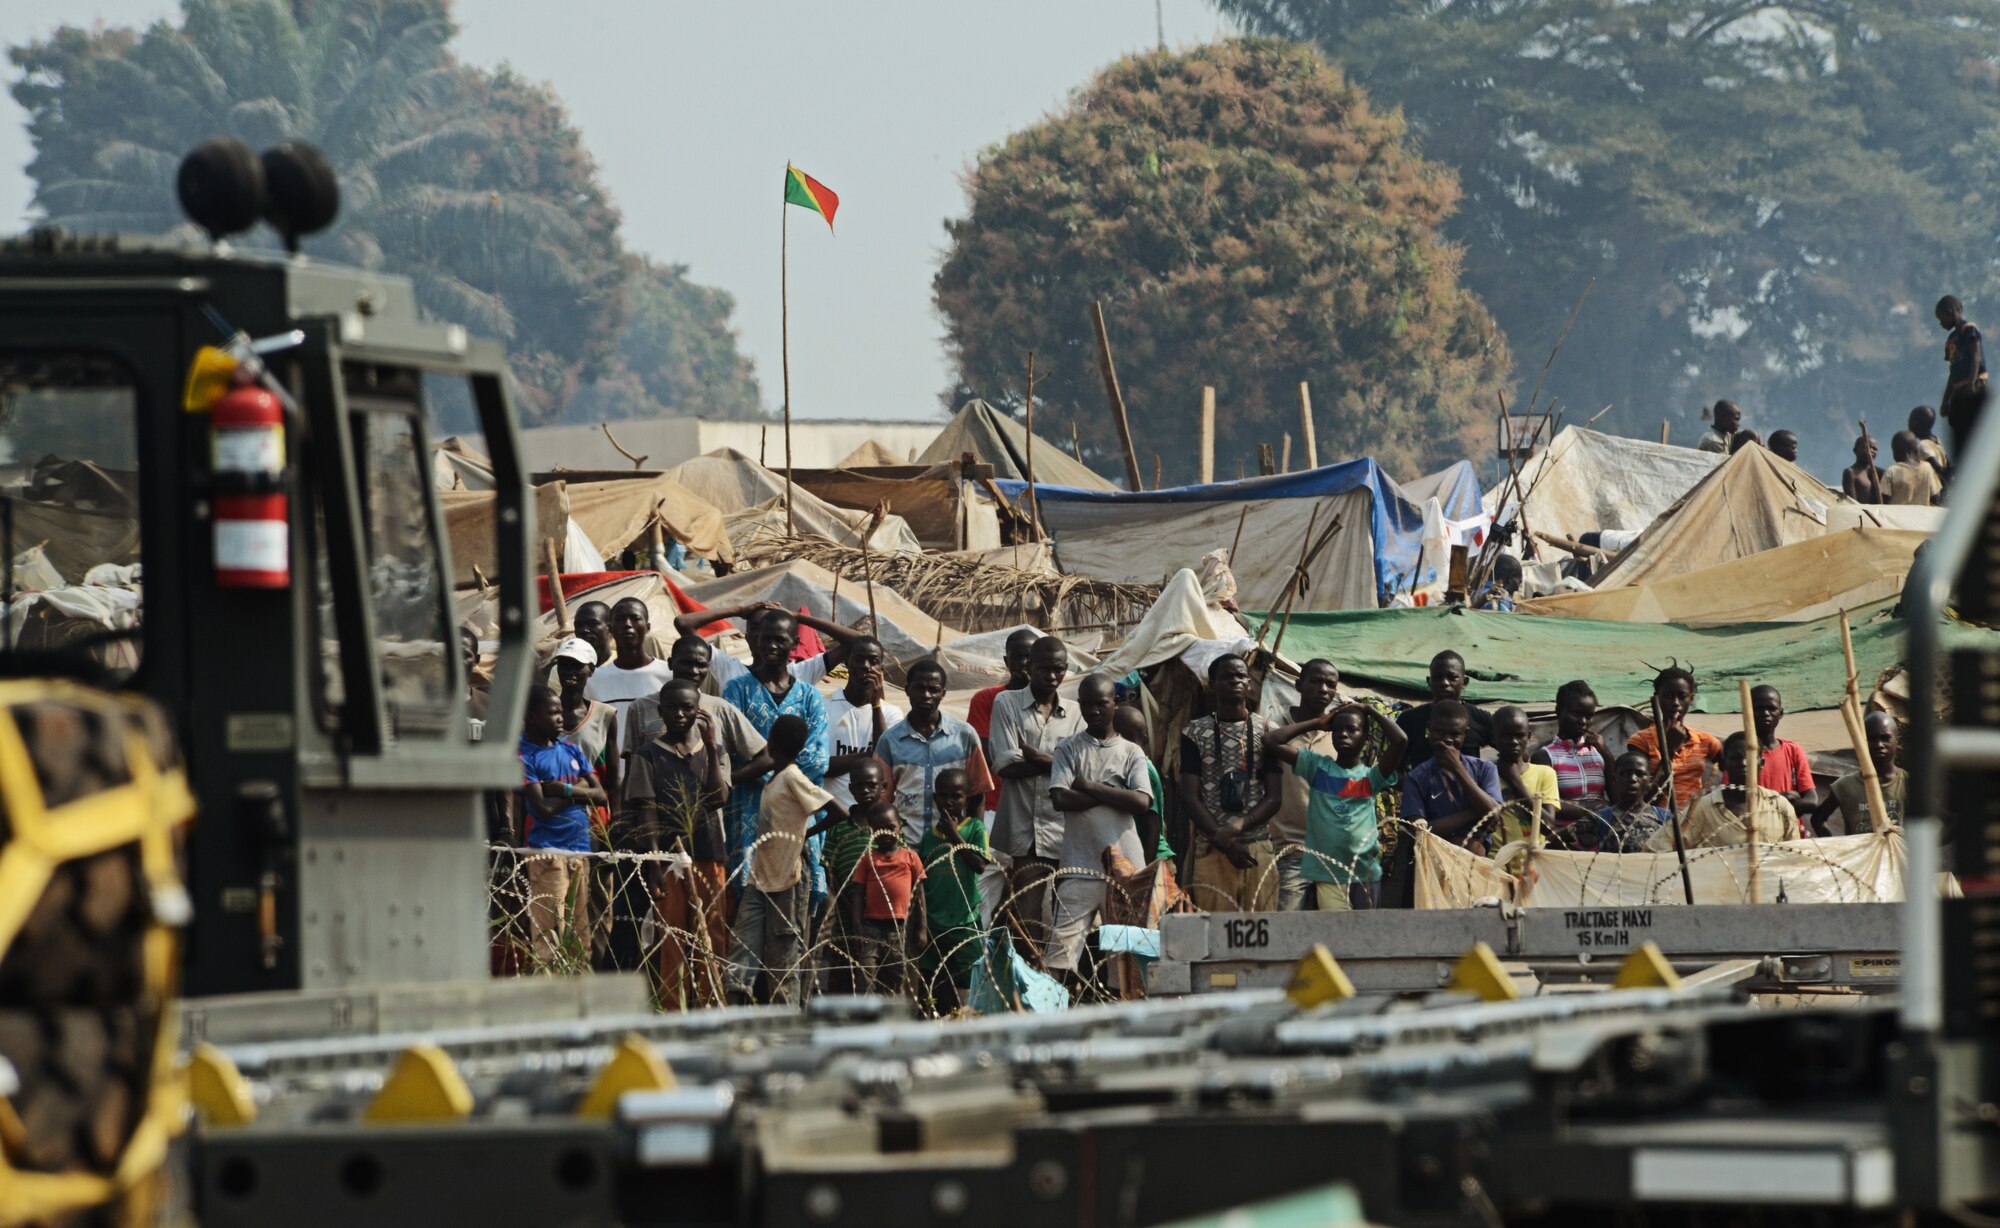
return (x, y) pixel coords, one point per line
(424, 1086)
(219, 1092)
(1478, 971)
(1647, 968)
(208, 377)
(635, 1066)
(1318, 979)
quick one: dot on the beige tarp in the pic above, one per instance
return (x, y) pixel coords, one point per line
(752, 498)
(997, 440)
(906, 632)
(617, 516)
(1752, 502)
(1584, 481)
(1145, 541)
(468, 523)
(1797, 583)
(1867, 868)
(872, 454)
(455, 466)
(939, 508)
(74, 540)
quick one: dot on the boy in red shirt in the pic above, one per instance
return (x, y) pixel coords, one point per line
(880, 915)
(1781, 764)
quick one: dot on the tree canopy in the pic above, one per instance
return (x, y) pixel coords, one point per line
(1771, 197)
(472, 183)
(1249, 222)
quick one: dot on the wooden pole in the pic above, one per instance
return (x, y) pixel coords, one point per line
(1291, 577)
(1665, 425)
(1207, 434)
(1267, 464)
(1306, 434)
(785, 344)
(1034, 506)
(868, 560)
(1117, 398)
(1075, 442)
(556, 597)
(1156, 471)
(1240, 475)
(1285, 459)
(1857, 732)
(1240, 518)
(1752, 760)
(1673, 799)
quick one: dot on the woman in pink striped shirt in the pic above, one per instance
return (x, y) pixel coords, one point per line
(1577, 754)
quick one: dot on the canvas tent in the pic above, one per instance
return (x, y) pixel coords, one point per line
(589, 521)
(906, 632)
(1752, 502)
(1142, 536)
(1584, 481)
(938, 504)
(752, 501)
(997, 440)
(1797, 583)
(872, 454)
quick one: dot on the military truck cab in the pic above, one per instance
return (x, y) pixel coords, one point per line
(300, 621)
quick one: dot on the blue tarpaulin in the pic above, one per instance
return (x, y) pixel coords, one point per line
(1127, 535)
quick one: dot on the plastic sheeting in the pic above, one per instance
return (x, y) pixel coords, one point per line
(1862, 869)
(997, 440)
(1512, 659)
(751, 498)
(1117, 535)
(1584, 481)
(1181, 624)
(1796, 583)
(1754, 501)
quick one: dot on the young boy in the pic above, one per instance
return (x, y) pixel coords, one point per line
(1526, 786)
(879, 913)
(556, 788)
(1343, 859)
(1099, 782)
(954, 853)
(1850, 796)
(1781, 766)
(1629, 822)
(771, 917)
(846, 843)
(1722, 815)
(675, 788)
(1859, 480)
(1909, 482)
(1454, 790)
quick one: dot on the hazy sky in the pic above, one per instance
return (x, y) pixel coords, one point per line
(692, 110)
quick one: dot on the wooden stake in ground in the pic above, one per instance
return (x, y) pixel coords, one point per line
(1075, 443)
(1156, 471)
(1285, 458)
(1673, 799)
(1240, 518)
(1207, 435)
(1752, 760)
(1299, 582)
(1034, 506)
(1117, 398)
(785, 349)
(1306, 435)
(1857, 732)
(1665, 426)
(1267, 464)
(554, 570)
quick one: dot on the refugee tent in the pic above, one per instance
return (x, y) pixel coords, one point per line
(996, 439)
(942, 508)
(906, 632)
(1806, 580)
(619, 515)
(872, 454)
(1752, 502)
(1143, 536)
(752, 501)
(1584, 481)
(1512, 659)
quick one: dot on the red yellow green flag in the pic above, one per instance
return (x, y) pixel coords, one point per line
(806, 192)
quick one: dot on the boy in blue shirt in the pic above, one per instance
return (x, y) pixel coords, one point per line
(557, 789)
(1343, 857)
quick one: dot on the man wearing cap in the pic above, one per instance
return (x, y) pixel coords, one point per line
(590, 723)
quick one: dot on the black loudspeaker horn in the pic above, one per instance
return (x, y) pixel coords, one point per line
(302, 196)
(221, 186)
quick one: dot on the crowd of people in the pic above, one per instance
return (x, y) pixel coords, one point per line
(782, 835)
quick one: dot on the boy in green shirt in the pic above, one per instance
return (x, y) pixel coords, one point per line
(954, 850)
(846, 845)
(1343, 858)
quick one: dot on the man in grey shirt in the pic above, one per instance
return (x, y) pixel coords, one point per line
(1100, 782)
(1027, 828)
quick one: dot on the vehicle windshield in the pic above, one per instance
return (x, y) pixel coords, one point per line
(69, 507)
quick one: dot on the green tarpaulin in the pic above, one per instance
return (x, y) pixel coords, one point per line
(1513, 658)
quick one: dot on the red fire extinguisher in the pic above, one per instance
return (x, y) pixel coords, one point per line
(252, 524)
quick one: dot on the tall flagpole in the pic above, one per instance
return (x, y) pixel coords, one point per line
(785, 337)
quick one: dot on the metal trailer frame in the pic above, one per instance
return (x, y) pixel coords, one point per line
(1784, 947)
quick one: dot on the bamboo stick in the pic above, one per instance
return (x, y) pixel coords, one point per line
(1117, 398)
(1240, 518)
(1673, 798)
(1307, 437)
(556, 598)
(1285, 458)
(1871, 781)
(1034, 506)
(1208, 436)
(1752, 761)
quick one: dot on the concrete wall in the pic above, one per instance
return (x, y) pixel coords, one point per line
(664, 442)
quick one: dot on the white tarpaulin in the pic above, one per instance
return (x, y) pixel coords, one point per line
(1584, 481)
(1867, 868)
(1182, 624)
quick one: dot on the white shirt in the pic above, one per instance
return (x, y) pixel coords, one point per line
(1087, 833)
(851, 731)
(619, 687)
